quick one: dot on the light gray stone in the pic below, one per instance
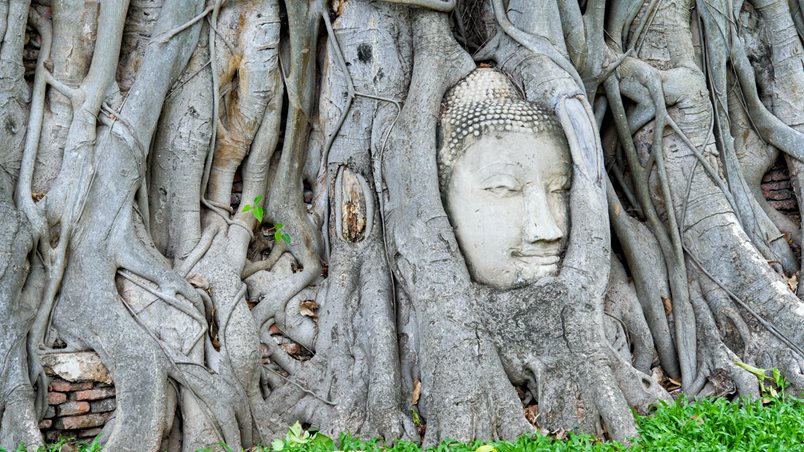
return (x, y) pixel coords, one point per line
(77, 366)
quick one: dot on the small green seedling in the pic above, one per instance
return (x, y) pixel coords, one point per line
(255, 209)
(298, 437)
(259, 214)
(777, 380)
(279, 235)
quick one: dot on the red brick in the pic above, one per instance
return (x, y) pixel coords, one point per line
(72, 408)
(83, 421)
(779, 195)
(776, 174)
(65, 386)
(45, 424)
(780, 185)
(55, 398)
(788, 204)
(93, 394)
(57, 384)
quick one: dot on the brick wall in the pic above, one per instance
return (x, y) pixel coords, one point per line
(777, 190)
(81, 397)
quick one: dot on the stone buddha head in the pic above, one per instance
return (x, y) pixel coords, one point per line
(505, 172)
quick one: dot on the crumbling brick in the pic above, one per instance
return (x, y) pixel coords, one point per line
(93, 394)
(60, 385)
(81, 422)
(73, 408)
(56, 398)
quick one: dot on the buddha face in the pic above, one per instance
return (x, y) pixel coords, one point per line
(508, 199)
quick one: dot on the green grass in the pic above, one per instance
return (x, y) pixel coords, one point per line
(706, 425)
(717, 424)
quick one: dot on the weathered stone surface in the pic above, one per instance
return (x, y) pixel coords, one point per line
(103, 406)
(73, 408)
(528, 208)
(78, 366)
(55, 398)
(45, 424)
(93, 394)
(83, 421)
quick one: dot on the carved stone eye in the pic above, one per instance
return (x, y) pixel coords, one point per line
(502, 186)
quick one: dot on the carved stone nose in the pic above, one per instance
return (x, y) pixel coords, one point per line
(539, 223)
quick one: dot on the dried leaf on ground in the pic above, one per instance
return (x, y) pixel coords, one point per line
(291, 348)
(198, 280)
(792, 282)
(309, 308)
(532, 414)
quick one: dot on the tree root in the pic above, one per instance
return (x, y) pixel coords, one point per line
(574, 375)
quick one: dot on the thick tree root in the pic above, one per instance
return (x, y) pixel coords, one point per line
(559, 351)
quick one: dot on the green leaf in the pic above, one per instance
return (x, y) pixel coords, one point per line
(278, 226)
(417, 420)
(247, 207)
(322, 441)
(257, 199)
(277, 444)
(295, 429)
(258, 212)
(286, 238)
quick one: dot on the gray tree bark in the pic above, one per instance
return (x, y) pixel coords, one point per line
(237, 206)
